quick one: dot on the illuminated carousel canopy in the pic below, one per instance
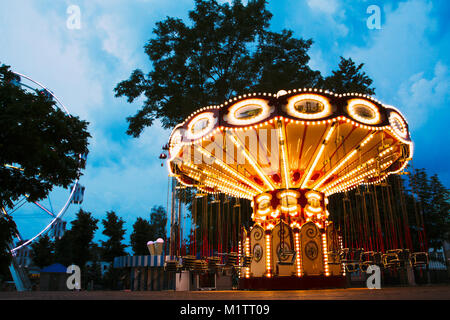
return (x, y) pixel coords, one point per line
(301, 139)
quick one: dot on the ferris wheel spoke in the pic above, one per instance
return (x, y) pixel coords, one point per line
(45, 209)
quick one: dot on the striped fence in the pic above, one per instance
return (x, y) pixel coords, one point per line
(139, 261)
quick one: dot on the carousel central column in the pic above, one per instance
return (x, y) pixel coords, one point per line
(288, 244)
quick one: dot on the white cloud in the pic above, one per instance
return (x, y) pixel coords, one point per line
(333, 13)
(400, 48)
(326, 6)
(420, 96)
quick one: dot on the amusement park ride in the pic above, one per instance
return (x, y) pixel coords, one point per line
(287, 153)
(51, 214)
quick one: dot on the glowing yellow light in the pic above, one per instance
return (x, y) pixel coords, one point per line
(355, 102)
(194, 133)
(268, 260)
(291, 110)
(298, 261)
(319, 154)
(252, 162)
(260, 103)
(325, 254)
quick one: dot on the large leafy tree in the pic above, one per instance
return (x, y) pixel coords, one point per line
(39, 138)
(81, 234)
(142, 233)
(7, 230)
(348, 78)
(224, 50)
(43, 252)
(434, 204)
(75, 247)
(114, 231)
(158, 221)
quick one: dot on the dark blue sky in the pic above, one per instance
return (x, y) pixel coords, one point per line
(408, 59)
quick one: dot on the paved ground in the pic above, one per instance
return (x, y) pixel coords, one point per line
(400, 293)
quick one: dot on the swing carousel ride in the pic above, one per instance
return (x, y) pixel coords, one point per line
(287, 153)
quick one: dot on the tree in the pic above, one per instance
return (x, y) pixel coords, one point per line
(63, 249)
(113, 247)
(438, 221)
(114, 230)
(348, 78)
(158, 221)
(7, 231)
(76, 246)
(225, 50)
(81, 235)
(43, 252)
(142, 233)
(39, 139)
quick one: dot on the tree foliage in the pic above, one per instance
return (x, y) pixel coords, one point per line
(434, 205)
(75, 247)
(224, 50)
(158, 221)
(349, 78)
(141, 235)
(114, 230)
(7, 231)
(148, 230)
(40, 139)
(43, 252)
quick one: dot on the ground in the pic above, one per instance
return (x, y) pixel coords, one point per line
(397, 293)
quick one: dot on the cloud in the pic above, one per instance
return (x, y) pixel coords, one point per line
(401, 48)
(326, 6)
(419, 96)
(333, 12)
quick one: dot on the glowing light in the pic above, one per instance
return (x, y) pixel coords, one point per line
(291, 109)
(325, 254)
(352, 110)
(251, 161)
(194, 132)
(247, 253)
(298, 262)
(268, 256)
(246, 106)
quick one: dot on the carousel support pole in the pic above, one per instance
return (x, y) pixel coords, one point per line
(325, 254)
(268, 254)
(247, 253)
(298, 257)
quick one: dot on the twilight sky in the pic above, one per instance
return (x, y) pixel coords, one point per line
(408, 59)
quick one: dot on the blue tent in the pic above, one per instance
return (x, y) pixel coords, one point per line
(55, 268)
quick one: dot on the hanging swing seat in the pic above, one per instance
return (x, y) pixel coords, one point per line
(334, 258)
(213, 263)
(391, 260)
(232, 259)
(247, 261)
(370, 258)
(351, 258)
(171, 266)
(188, 262)
(200, 266)
(419, 259)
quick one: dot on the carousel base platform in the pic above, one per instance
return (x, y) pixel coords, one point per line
(293, 283)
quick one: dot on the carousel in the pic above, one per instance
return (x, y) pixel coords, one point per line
(287, 153)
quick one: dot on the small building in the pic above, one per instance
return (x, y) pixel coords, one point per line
(53, 278)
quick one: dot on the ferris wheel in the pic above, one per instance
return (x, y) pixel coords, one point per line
(37, 218)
